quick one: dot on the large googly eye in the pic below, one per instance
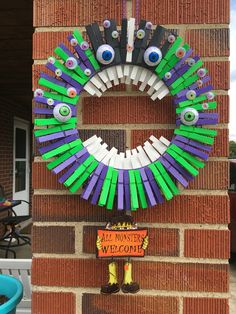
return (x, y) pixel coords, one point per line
(191, 94)
(140, 34)
(62, 112)
(171, 39)
(105, 54)
(201, 72)
(84, 45)
(71, 92)
(71, 63)
(73, 42)
(180, 52)
(189, 116)
(38, 92)
(152, 56)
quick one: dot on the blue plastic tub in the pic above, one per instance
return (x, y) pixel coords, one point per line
(13, 289)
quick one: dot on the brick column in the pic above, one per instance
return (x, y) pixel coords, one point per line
(186, 267)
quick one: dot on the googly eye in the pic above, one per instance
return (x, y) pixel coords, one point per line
(115, 34)
(191, 62)
(180, 52)
(105, 54)
(201, 72)
(210, 96)
(71, 92)
(171, 39)
(38, 92)
(191, 94)
(50, 101)
(140, 34)
(205, 106)
(73, 42)
(51, 60)
(62, 112)
(168, 75)
(148, 25)
(58, 72)
(106, 23)
(199, 83)
(189, 116)
(71, 63)
(84, 45)
(152, 56)
(87, 72)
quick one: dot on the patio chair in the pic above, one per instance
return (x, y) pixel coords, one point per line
(11, 223)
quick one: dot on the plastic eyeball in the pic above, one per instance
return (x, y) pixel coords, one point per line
(189, 116)
(199, 83)
(62, 112)
(87, 72)
(51, 60)
(210, 96)
(148, 25)
(50, 101)
(168, 75)
(171, 39)
(191, 62)
(201, 72)
(115, 34)
(58, 72)
(140, 34)
(191, 94)
(152, 56)
(180, 52)
(84, 45)
(71, 63)
(73, 42)
(71, 92)
(106, 23)
(205, 106)
(105, 54)
(38, 92)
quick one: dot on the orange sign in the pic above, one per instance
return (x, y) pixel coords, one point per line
(121, 243)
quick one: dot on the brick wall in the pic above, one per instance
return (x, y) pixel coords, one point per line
(186, 267)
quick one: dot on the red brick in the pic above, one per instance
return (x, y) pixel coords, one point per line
(164, 242)
(184, 11)
(222, 108)
(205, 306)
(219, 73)
(220, 148)
(209, 42)
(150, 275)
(53, 303)
(207, 243)
(53, 239)
(94, 304)
(36, 69)
(210, 209)
(74, 13)
(127, 109)
(214, 176)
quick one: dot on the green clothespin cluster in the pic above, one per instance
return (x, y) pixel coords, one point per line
(61, 149)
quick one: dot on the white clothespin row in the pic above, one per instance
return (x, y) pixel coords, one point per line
(153, 80)
(112, 160)
(134, 72)
(127, 162)
(90, 140)
(92, 148)
(111, 72)
(118, 162)
(107, 158)
(134, 160)
(130, 41)
(164, 141)
(99, 155)
(103, 76)
(150, 91)
(158, 145)
(119, 71)
(137, 77)
(151, 152)
(92, 89)
(145, 80)
(143, 158)
(98, 83)
(158, 85)
(164, 91)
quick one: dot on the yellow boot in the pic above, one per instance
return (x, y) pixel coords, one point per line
(129, 286)
(112, 286)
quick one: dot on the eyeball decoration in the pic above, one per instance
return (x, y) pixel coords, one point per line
(152, 56)
(62, 112)
(151, 173)
(105, 54)
(189, 116)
